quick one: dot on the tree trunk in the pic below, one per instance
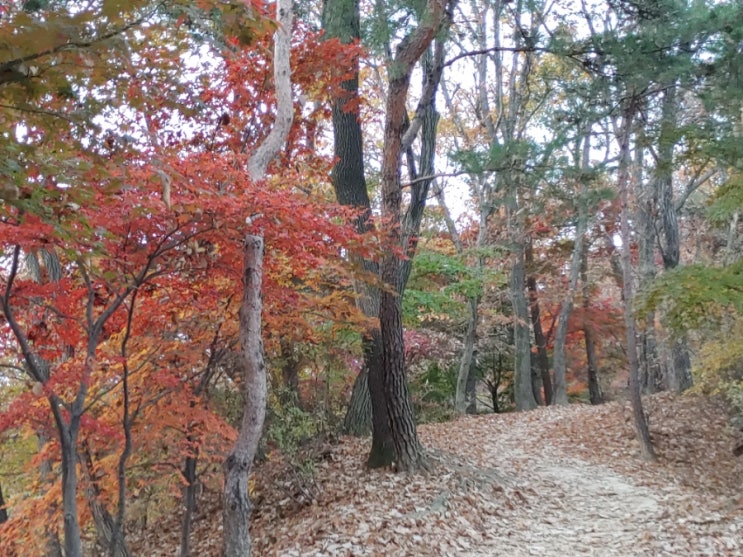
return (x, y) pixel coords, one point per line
(465, 397)
(290, 372)
(641, 425)
(649, 361)
(594, 386)
(341, 20)
(189, 503)
(3, 510)
(190, 466)
(582, 161)
(236, 510)
(540, 340)
(102, 518)
(358, 419)
(237, 465)
(72, 536)
(678, 371)
(471, 388)
(382, 451)
(407, 451)
(465, 364)
(522, 334)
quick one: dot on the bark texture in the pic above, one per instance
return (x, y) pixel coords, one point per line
(677, 375)
(407, 451)
(236, 514)
(236, 509)
(641, 424)
(594, 386)
(523, 392)
(341, 20)
(542, 361)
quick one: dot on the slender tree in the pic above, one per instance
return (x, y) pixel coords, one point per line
(236, 509)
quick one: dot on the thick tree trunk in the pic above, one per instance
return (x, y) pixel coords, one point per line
(407, 451)
(522, 334)
(678, 370)
(641, 425)
(341, 20)
(237, 466)
(382, 451)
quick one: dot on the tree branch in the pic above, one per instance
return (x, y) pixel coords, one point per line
(9, 70)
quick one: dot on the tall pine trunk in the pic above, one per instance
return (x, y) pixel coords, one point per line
(678, 370)
(641, 425)
(582, 157)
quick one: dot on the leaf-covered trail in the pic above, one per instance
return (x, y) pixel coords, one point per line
(587, 493)
(556, 482)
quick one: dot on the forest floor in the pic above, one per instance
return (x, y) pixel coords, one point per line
(555, 482)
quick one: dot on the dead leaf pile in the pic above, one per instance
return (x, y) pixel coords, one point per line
(557, 481)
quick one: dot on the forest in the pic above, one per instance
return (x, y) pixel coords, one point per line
(405, 277)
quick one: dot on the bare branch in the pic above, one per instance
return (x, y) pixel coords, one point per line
(270, 147)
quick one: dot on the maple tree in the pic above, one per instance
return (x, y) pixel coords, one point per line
(139, 229)
(148, 148)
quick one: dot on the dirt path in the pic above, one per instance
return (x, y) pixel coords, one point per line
(556, 482)
(574, 506)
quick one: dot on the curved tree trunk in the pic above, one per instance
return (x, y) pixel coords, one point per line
(407, 451)
(236, 509)
(236, 514)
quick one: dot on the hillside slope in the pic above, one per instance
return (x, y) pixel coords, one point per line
(552, 482)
